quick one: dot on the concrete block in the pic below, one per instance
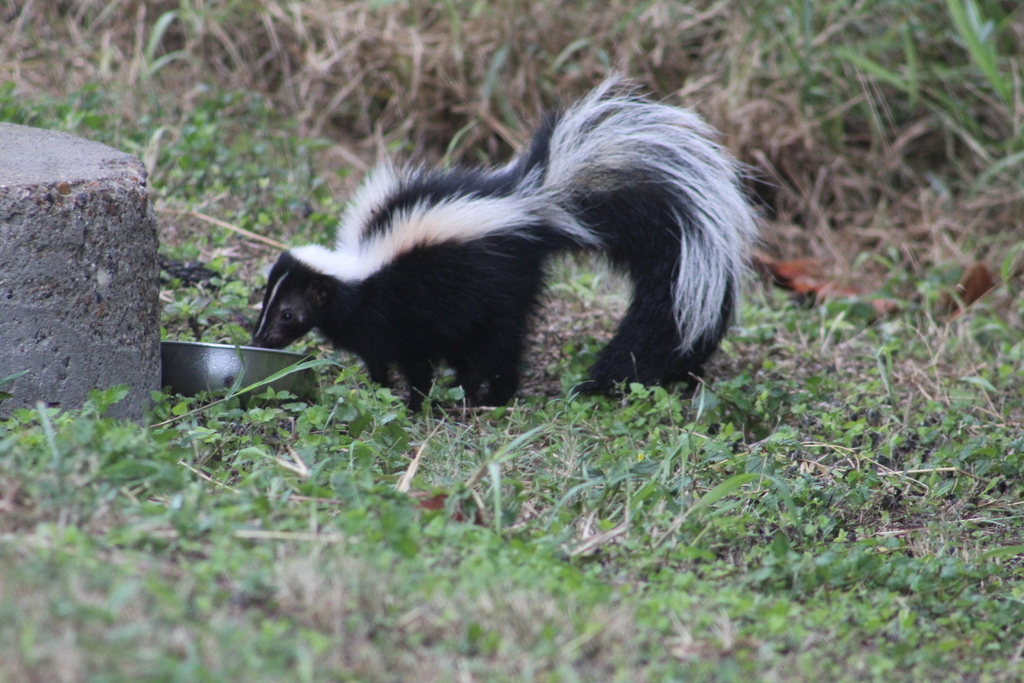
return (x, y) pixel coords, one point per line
(79, 288)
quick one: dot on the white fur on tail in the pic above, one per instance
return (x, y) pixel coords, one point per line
(612, 130)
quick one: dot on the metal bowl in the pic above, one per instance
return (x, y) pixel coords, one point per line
(192, 367)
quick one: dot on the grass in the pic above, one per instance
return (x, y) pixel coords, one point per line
(841, 500)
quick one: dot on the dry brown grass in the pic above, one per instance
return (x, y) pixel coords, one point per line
(846, 163)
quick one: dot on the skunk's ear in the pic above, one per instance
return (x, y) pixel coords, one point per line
(319, 291)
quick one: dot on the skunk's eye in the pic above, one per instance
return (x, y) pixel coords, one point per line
(286, 316)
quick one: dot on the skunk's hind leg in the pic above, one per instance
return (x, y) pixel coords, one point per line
(645, 348)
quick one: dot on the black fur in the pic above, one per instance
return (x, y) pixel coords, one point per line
(469, 304)
(636, 227)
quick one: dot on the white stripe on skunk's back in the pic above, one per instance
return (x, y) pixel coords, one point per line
(458, 219)
(379, 185)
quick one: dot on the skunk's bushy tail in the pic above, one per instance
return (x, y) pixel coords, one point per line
(632, 171)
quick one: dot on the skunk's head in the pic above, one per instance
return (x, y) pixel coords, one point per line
(295, 302)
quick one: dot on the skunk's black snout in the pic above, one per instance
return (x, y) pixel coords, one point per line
(281, 324)
(277, 336)
(288, 306)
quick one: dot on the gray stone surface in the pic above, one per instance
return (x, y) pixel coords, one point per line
(79, 288)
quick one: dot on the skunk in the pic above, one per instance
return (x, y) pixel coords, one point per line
(431, 266)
